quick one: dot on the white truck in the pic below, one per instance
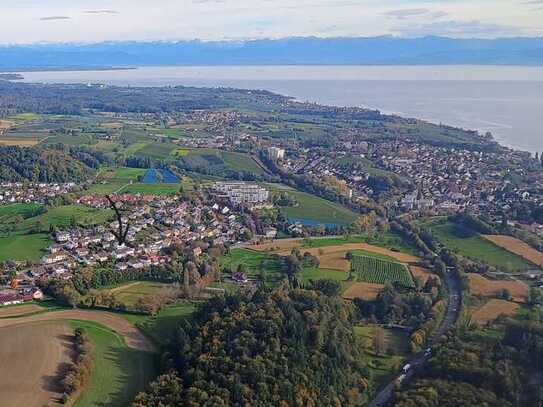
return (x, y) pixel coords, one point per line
(406, 368)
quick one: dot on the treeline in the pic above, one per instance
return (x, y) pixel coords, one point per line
(77, 373)
(477, 369)
(48, 164)
(76, 99)
(280, 348)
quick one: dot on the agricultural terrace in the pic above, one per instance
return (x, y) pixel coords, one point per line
(518, 247)
(378, 271)
(492, 310)
(482, 286)
(470, 244)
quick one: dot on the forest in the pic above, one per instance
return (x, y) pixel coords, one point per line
(236, 348)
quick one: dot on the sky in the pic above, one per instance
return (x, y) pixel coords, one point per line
(33, 21)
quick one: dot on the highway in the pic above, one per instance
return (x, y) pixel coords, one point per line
(384, 397)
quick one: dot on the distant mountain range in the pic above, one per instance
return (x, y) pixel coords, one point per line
(290, 51)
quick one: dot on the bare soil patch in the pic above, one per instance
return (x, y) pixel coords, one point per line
(365, 291)
(31, 356)
(421, 272)
(133, 337)
(493, 309)
(20, 142)
(518, 247)
(480, 285)
(19, 310)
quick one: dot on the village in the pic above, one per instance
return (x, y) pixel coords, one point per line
(152, 223)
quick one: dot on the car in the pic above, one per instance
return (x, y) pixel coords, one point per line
(401, 378)
(428, 352)
(406, 368)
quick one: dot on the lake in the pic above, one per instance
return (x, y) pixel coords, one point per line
(506, 100)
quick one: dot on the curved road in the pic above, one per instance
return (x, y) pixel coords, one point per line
(384, 397)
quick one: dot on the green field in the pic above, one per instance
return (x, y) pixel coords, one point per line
(28, 239)
(254, 262)
(20, 247)
(228, 160)
(313, 273)
(378, 271)
(121, 173)
(162, 327)
(151, 189)
(156, 150)
(108, 188)
(129, 294)
(468, 243)
(388, 240)
(384, 366)
(118, 372)
(25, 117)
(62, 216)
(22, 209)
(313, 210)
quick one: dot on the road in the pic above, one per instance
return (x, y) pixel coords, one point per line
(384, 397)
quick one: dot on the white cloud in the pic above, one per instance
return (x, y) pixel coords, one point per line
(92, 20)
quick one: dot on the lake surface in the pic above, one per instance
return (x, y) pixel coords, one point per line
(506, 100)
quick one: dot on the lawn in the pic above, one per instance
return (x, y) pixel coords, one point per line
(254, 262)
(62, 217)
(470, 244)
(313, 211)
(23, 209)
(118, 372)
(162, 327)
(20, 247)
(129, 294)
(109, 188)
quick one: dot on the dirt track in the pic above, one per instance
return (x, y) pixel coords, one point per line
(30, 356)
(133, 337)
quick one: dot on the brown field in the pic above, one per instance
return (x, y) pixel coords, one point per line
(330, 254)
(421, 272)
(4, 124)
(19, 310)
(480, 285)
(517, 247)
(133, 337)
(365, 291)
(493, 309)
(31, 355)
(20, 142)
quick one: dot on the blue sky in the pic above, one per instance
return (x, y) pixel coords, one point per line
(29, 21)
